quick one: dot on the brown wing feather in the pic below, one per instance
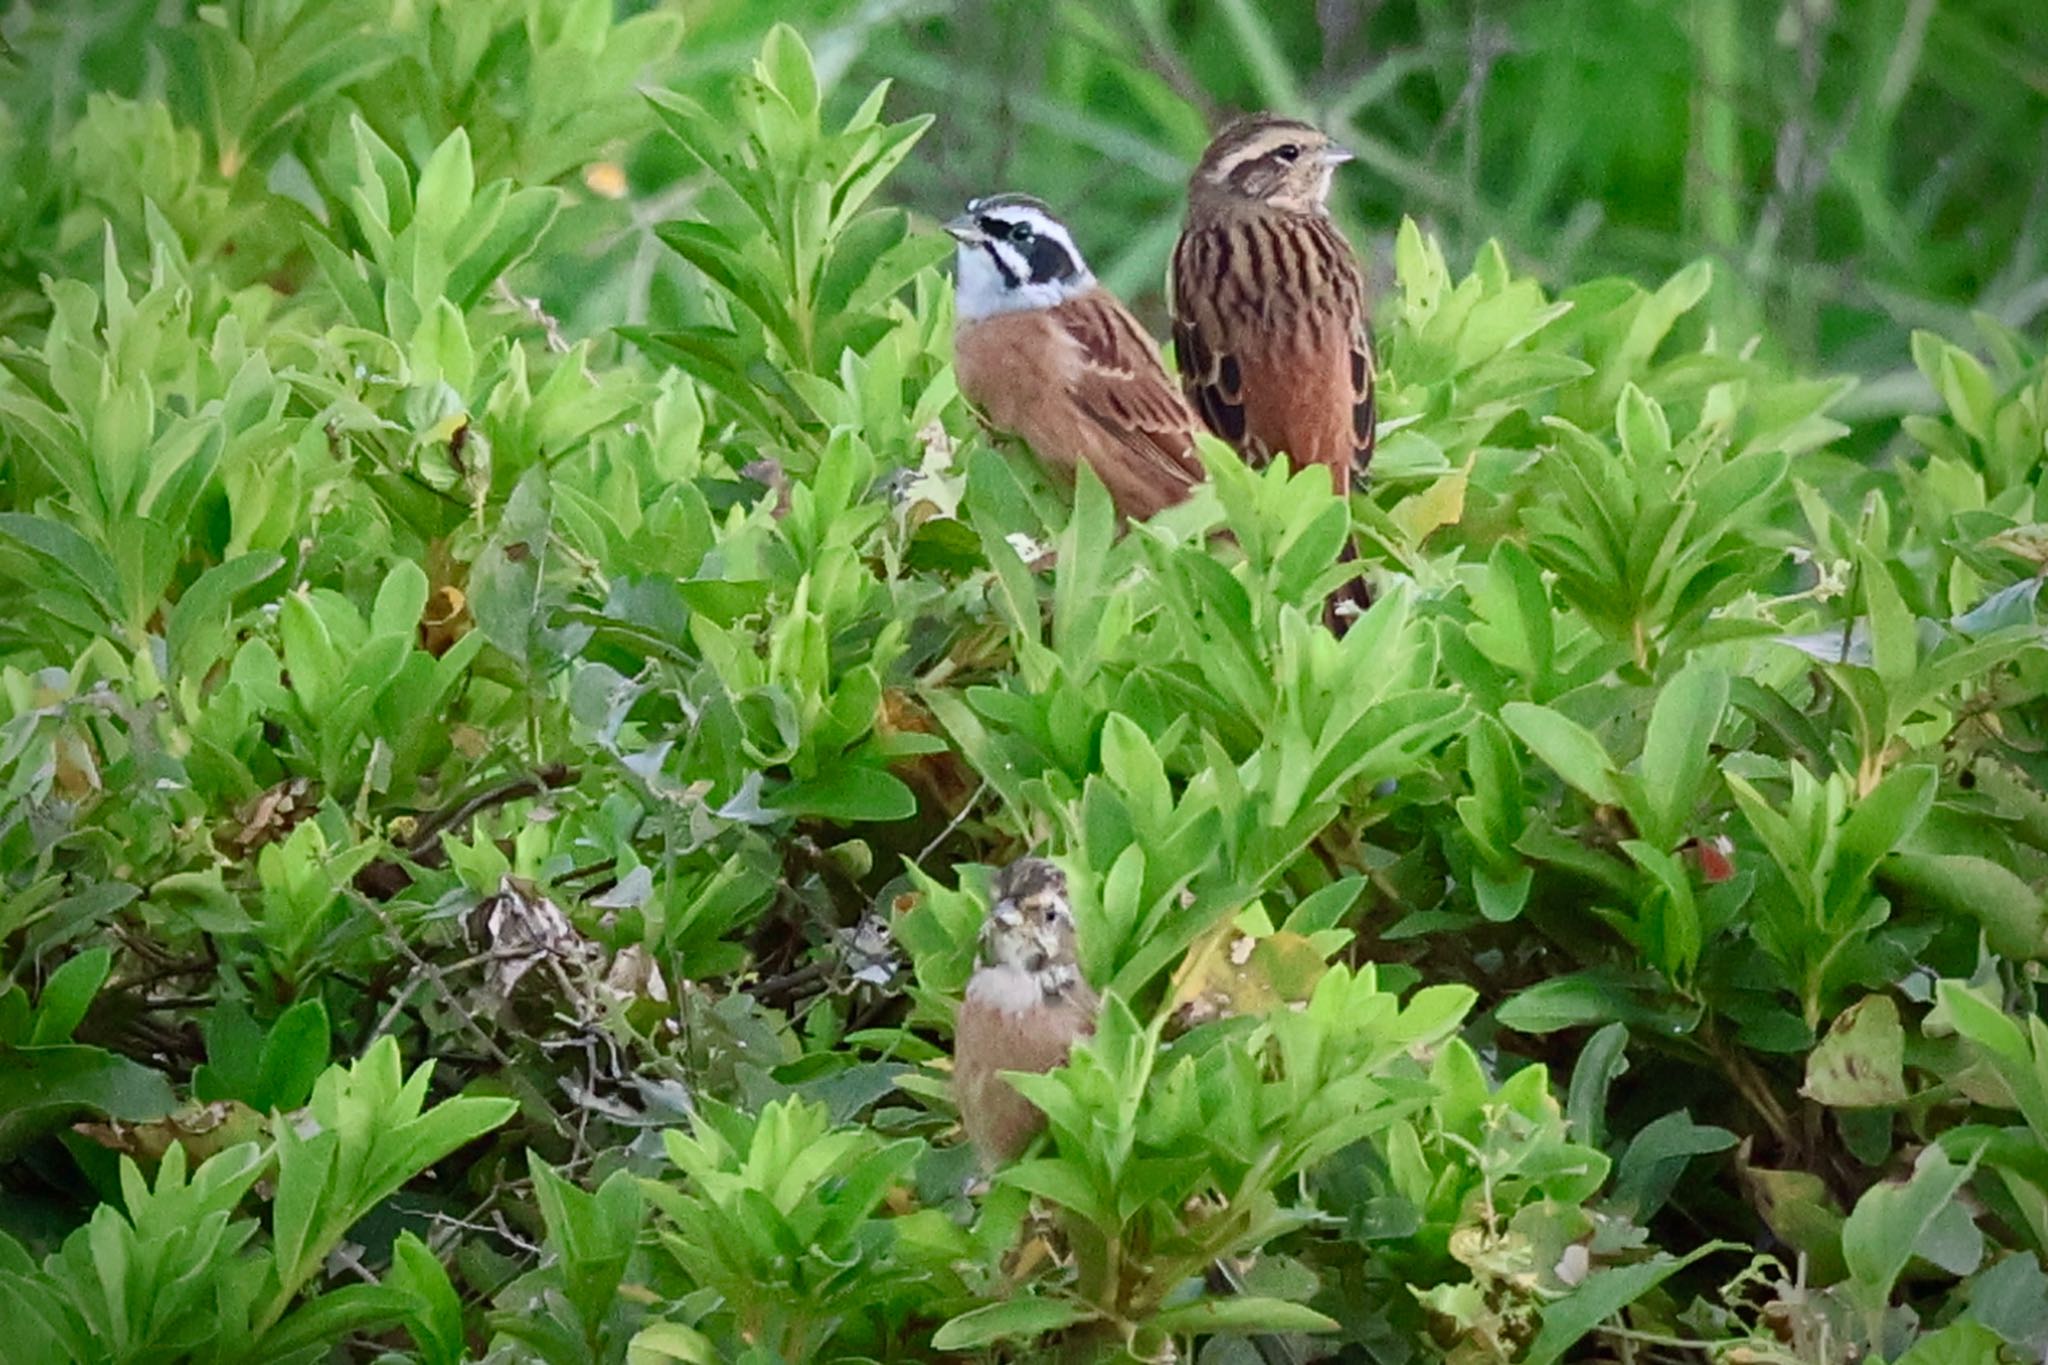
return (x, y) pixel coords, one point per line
(1205, 292)
(1122, 386)
(1365, 409)
(1082, 383)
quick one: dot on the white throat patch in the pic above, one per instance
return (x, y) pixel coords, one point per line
(1006, 989)
(980, 291)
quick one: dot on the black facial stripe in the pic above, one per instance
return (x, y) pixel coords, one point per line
(1046, 259)
(1049, 260)
(995, 254)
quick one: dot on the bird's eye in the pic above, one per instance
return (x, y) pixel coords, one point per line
(1051, 914)
(1021, 234)
(1289, 152)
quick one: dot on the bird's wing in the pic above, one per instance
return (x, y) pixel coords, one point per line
(1364, 397)
(1210, 374)
(1123, 388)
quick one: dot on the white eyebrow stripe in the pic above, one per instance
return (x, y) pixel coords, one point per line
(1044, 225)
(1229, 164)
(1262, 143)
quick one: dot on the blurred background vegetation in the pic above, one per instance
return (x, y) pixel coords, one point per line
(366, 580)
(1858, 169)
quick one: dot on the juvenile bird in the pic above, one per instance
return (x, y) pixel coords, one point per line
(1025, 1005)
(1053, 357)
(1269, 316)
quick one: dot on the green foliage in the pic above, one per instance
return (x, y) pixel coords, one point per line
(777, 1221)
(501, 572)
(174, 1273)
(1164, 1162)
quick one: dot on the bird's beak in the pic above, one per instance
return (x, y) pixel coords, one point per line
(1333, 155)
(965, 230)
(1006, 914)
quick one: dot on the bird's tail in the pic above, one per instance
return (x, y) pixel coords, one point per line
(1351, 597)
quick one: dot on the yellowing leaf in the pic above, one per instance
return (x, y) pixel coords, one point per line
(1861, 1063)
(1229, 972)
(1439, 505)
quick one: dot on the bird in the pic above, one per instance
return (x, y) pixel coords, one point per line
(1270, 329)
(1051, 356)
(1024, 1007)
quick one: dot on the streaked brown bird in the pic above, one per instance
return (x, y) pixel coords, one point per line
(1051, 356)
(1025, 1005)
(1269, 315)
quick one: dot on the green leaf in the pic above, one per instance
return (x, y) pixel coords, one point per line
(847, 793)
(1966, 387)
(198, 632)
(1959, 1343)
(2006, 1046)
(1569, 748)
(1590, 997)
(666, 1341)
(1889, 1222)
(1661, 311)
(1605, 1292)
(520, 227)
(315, 665)
(77, 559)
(234, 1055)
(1645, 434)
(41, 1088)
(1658, 1156)
(68, 994)
(343, 272)
(1798, 1207)
(1601, 1062)
(447, 184)
(1502, 897)
(1894, 638)
(592, 1233)
(400, 601)
(2013, 913)
(294, 1054)
(1244, 1314)
(1678, 751)
(433, 1311)
(1878, 824)
(506, 589)
(786, 65)
(1024, 1319)
(1062, 1183)
(710, 251)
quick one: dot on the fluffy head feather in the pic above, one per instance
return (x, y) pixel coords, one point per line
(1030, 928)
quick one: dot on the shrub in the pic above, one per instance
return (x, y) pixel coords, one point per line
(501, 573)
